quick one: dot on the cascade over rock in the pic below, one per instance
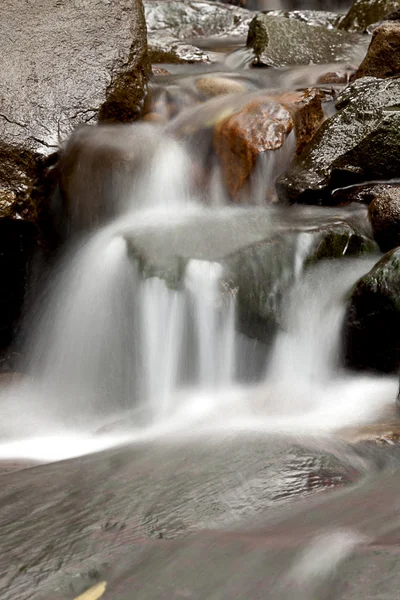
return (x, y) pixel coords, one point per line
(360, 142)
(372, 324)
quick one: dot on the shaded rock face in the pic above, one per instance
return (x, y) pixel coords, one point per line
(360, 142)
(383, 56)
(320, 18)
(279, 42)
(372, 324)
(262, 126)
(264, 273)
(384, 214)
(363, 13)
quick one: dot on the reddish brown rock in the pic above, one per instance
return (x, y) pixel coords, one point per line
(263, 125)
(383, 56)
(384, 214)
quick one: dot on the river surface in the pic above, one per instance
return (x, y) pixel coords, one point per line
(155, 449)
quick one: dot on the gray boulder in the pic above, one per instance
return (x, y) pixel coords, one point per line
(384, 214)
(360, 142)
(279, 42)
(372, 323)
(174, 26)
(363, 13)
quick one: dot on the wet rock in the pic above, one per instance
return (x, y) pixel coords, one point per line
(99, 166)
(383, 56)
(263, 273)
(190, 19)
(215, 85)
(169, 50)
(372, 324)
(384, 214)
(363, 13)
(360, 142)
(335, 77)
(279, 42)
(363, 193)
(64, 64)
(174, 25)
(319, 18)
(263, 125)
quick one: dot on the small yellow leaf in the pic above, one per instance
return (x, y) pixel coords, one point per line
(94, 592)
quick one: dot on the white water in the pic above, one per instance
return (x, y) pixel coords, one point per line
(116, 344)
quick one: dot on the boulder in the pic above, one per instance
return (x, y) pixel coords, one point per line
(363, 13)
(281, 42)
(360, 142)
(261, 126)
(383, 56)
(384, 214)
(372, 323)
(319, 18)
(264, 273)
(174, 25)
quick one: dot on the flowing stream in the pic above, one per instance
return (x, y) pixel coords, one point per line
(139, 337)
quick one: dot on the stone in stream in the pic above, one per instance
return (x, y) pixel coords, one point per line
(319, 18)
(383, 56)
(384, 214)
(261, 127)
(363, 13)
(372, 323)
(280, 42)
(360, 142)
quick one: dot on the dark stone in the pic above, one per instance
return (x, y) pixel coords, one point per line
(383, 56)
(372, 323)
(384, 214)
(363, 193)
(279, 42)
(361, 142)
(363, 13)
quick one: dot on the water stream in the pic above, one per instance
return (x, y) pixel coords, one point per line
(138, 338)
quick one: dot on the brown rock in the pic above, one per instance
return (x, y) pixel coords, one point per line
(384, 214)
(159, 71)
(334, 77)
(383, 56)
(263, 125)
(217, 86)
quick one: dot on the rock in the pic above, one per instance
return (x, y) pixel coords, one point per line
(319, 18)
(264, 272)
(363, 193)
(335, 77)
(363, 13)
(214, 85)
(383, 56)
(372, 323)
(169, 50)
(174, 25)
(262, 125)
(279, 42)
(384, 214)
(360, 142)
(190, 19)
(77, 62)
(99, 166)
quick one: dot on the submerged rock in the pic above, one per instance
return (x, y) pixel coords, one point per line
(372, 324)
(384, 214)
(260, 127)
(383, 56)
(279, 42)
(363, 13)
(360, 142)
(168, 49)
